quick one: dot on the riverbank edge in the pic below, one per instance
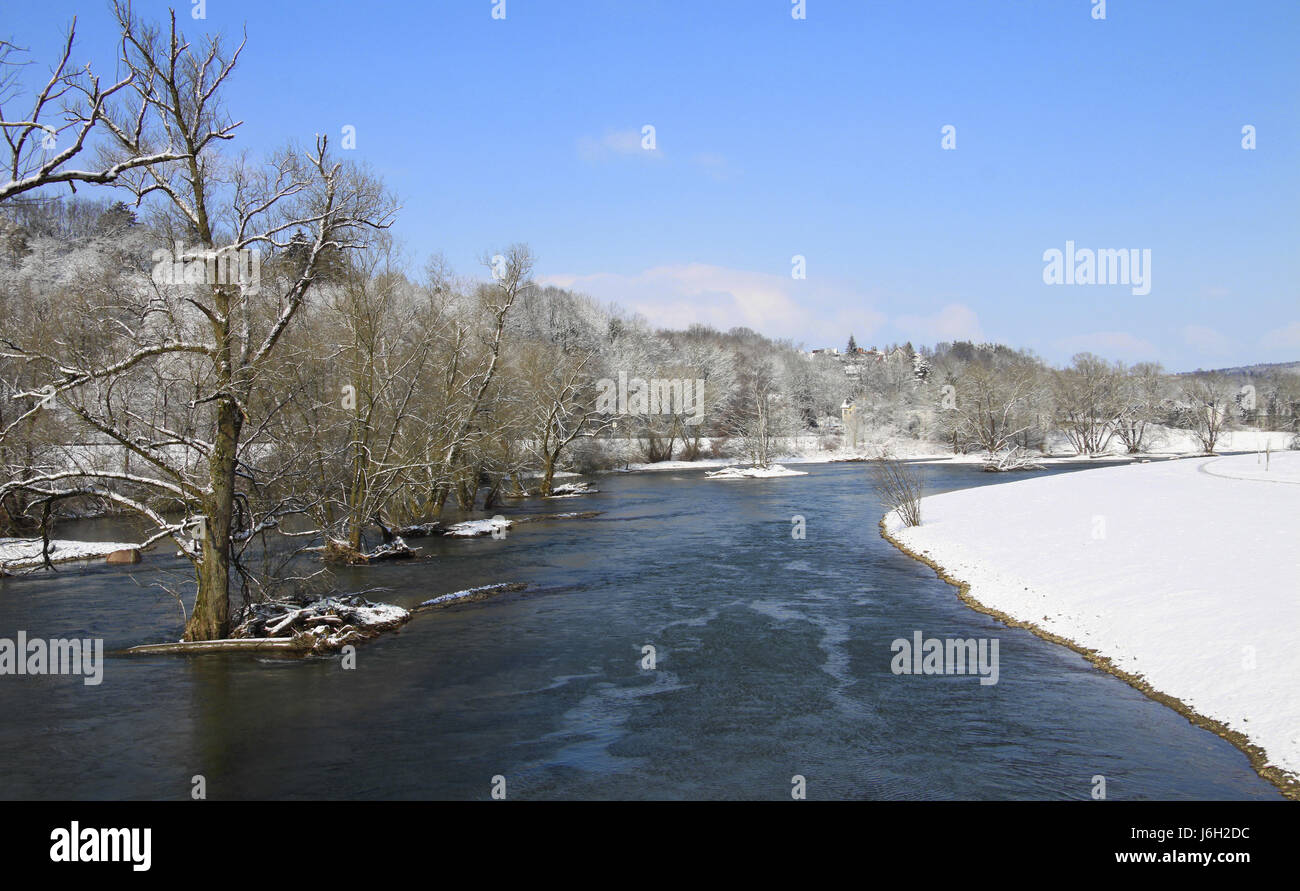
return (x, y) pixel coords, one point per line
(1286, 782)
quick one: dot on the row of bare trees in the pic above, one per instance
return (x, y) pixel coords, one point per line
(997, 399)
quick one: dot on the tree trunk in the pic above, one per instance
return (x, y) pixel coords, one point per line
(210, 619)
(548, 474)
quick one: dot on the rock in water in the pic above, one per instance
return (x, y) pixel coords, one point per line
(124, 557)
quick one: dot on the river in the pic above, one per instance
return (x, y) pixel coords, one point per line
(772, 660)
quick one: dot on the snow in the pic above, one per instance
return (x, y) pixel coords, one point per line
(470, 528)
(25, 553)
(380, 615)
(679, 465)
(478, 593)
(1278, 467)
(320, 625)
(573, 490)
(1183, 572)
(743, 473)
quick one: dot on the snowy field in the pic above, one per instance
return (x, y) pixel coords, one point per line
(1185, 572)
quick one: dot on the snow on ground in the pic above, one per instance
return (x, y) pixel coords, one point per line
(1174, 570)
(471, 528)
(1165, 442)
(25, 553)
(752, 473)
(1278, 467)
(680, 465)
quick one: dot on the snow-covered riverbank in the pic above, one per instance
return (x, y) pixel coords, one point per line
(27, 553)
(1164, 443)
(1183, 576)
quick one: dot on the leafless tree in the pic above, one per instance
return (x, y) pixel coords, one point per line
(991, 403)
(900, 486)
(1087, 400)
(473, 360)
(1207, 400)
(212, 335)
(41, 143)
(1141, 391)
(758, 416)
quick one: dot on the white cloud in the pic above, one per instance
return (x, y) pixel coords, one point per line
(1207, 340)
(1287, 337)
(715, 165)
(682, 295)
(1110, 344)
(616, 143)
(956, 321)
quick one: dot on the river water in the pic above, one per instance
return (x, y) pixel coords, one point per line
(772, 660)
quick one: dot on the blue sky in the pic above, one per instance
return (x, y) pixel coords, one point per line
(777, 137)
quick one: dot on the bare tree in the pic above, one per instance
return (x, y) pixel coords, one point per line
(361, 402)
(561, 397)
(1207, 400)
(1086, 398)
(1141, 390)
(472, 364)
(900, 486)
(758, 415)
(41, 143)
(212, 334)
(991, 403)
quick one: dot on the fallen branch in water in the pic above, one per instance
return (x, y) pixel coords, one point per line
(216, 646)
(471, 595)
(337, 551)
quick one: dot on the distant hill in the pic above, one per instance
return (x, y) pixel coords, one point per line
(1260, 368)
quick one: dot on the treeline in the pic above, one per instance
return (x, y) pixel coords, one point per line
(993, 398)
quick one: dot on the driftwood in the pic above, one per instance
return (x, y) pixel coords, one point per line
(218, 646)
(421, 530)
(298, 626)
(337, 551)
(471, 595)
(326, 624)
(1013, 459)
